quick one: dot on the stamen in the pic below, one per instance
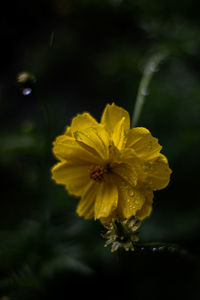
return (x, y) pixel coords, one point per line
(97, 172)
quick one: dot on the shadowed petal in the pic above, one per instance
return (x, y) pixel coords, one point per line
(146, 209)
(85, 207)
(144, 144)
(106, 199)
(119, 134)
(134, 165)
(74, 177)
(157, 173)
(67, 148)
(130, 200)
(95, 138)
(126, 172)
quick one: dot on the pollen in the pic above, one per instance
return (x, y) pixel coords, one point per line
(98, 172)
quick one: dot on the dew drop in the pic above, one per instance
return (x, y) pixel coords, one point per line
(131, 193)
(154, 249)
(26, 91)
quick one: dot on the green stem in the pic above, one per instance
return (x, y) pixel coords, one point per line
(149, 69)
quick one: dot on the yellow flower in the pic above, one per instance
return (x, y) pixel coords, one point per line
(114, 169)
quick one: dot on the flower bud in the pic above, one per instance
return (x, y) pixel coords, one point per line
(122, 234)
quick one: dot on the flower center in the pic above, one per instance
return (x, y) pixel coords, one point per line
(97, 172)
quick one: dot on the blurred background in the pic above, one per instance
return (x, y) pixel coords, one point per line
(79, 56)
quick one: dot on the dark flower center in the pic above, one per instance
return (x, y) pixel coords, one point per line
(97, 172)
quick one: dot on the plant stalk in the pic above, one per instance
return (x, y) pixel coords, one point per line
(150, 68)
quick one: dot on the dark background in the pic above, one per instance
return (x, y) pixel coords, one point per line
(83, 55)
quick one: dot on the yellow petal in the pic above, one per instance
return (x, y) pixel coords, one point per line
(144, 144)
(130, 200)
(106, 199)
(68, 131)
(74, 177)
(106, 221)
(157, 172)
(82, 121)
(119, 134)
(112, 115)
(85, 207)
(122, 213)
(134, 164)
(95, 138)
(67, 148)
(146, 209)
(126, 172)
(114, 154)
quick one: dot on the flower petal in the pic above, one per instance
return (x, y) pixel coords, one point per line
(106, 199)
(67, 148)
(146, 209)
(126, 172)
(122, 213)
(157, 172)
(112, 115)
(144, 144)
(68, 131)
(74, 177)
(82, 121)
(134, 165)
(95, 138)
(130, 200)
(119, 134)
(85, 207)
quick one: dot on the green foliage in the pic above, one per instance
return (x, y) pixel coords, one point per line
(34, 254)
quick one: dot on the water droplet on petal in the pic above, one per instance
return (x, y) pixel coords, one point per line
(26, 91)
(131, 193)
